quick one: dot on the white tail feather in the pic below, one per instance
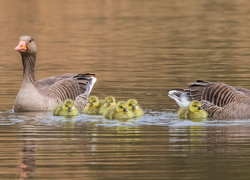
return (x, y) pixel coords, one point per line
(93, 80)
(181, 98)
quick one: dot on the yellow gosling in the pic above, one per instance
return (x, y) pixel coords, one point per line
(193, 111)
(66, 109)
(120, 112)
(135, 108)
(94, 106)
(109, 103)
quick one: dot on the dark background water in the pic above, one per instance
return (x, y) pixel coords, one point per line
(137, 49)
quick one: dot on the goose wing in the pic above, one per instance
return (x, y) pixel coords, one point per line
(218, 99)
(46, 82)
(219, 94)
(68, 86)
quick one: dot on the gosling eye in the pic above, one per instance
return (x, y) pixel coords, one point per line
(66, 105)
(121, 107)
(30, 40)
(130, 104)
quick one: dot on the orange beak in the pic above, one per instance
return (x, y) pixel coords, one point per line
(21, 47)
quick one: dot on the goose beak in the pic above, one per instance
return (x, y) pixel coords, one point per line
(21, 47)
(91, 104)
(108, 103)
(69, 109)
(125, 110)
(199, 108)
(133, 107)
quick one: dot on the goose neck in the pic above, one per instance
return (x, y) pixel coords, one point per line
(29, 61)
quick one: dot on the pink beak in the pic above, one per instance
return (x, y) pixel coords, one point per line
(21, 47)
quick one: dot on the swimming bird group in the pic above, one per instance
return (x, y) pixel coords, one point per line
(219, 100)
(68, 94)
(111, 110)
(45, 94)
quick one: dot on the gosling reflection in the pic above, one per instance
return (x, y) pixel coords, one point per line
(127, 134)
(68, 129)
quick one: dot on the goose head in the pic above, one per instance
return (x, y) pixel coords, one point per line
(195, 106)
(132, 104)
(93, 101)
(68, 105)
(122, 107)
(26, 45)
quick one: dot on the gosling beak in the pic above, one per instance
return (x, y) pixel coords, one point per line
(108, 103)
(21, 47)
(91, 104)
(133, 107)
(69, 109)
(199, 108)
(125, 110)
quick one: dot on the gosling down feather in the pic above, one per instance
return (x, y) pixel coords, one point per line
(93, 106)
(135, 108)
(109, 102)
(45, 94)
(66, 109)
(193, 111)
(218, 99)
(119, 112)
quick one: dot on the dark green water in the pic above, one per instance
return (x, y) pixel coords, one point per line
(137, 49)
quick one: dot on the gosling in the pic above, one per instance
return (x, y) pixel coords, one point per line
(193, 111)
(94, 106)
(66, 109)
(109, 103)
(135, 108)
(120, 112)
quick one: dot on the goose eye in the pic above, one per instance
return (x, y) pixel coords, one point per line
(130, 104)
(121, 107)
(30, 40)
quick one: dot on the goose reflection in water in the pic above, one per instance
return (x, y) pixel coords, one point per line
(27, 160)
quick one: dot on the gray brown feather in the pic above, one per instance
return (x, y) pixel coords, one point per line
(221, 100)
(68, 86)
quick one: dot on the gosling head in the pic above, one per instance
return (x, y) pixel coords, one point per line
(110, 100)
(122, 107)
(93, 101)
(195, 106)
(26, 45)
(132, 104)
(68, 105)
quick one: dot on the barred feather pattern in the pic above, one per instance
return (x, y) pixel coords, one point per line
(76, 88)
(221, 100)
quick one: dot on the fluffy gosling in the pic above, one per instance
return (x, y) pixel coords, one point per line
(135, 108)
(120, 112)
(94, 106)
(193, 111)
(66, 109)
(109, 103)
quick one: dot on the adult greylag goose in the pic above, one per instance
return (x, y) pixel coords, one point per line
(45, 94)
(218, 99)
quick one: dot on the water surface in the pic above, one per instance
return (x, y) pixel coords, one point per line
(137, 49)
